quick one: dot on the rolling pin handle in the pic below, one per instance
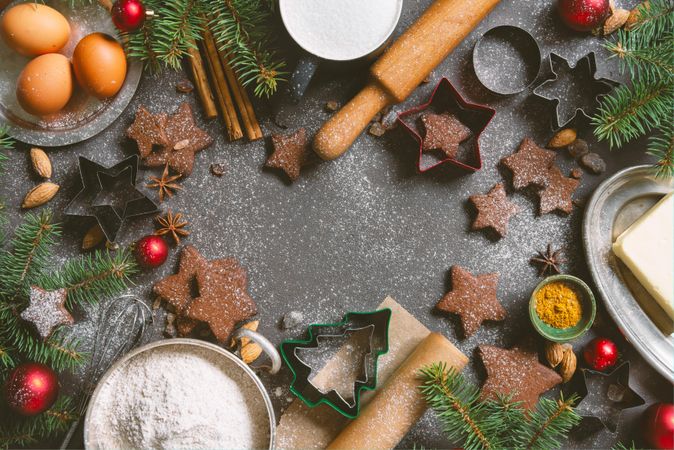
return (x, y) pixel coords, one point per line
(339, 132)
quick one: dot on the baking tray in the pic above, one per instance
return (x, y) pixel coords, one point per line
(84, 116)
(614, 206)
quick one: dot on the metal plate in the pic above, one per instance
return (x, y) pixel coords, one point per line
(614, 206)
(84, 116)
(218, 352)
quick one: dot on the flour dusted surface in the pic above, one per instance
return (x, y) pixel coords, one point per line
(179, 398)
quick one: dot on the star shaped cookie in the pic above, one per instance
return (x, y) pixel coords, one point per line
(444, 132)
(148, 130)
(46, 310)
(516, 372)
(473, 298)
(493, 210)
(223, 300)
(183, 140)
(529, 164)
(558, 194)
(290, 152)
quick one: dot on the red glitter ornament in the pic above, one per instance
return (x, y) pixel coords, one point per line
(658, 430)
(151, 251)
(600, 353)
(31, 388)
(128, 15)
(583, 15)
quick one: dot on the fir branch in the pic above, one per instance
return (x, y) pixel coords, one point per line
(642, 57)
(662, 147)
(89, 278)
(20, 432)
(31, 244)
(242, 30)
(549, 422)
(628, 113)
(655, 19)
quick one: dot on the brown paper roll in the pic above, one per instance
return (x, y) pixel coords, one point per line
(399, 404)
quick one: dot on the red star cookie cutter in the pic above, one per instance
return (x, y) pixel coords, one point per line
(445, 97)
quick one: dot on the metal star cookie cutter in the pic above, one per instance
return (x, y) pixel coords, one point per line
(476, 117)
(109, 195)
(584, 72)
(374, 323)
(605, 396)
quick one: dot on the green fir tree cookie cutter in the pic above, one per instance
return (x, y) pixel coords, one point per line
(376, 323)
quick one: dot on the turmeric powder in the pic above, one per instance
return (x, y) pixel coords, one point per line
(558, 305)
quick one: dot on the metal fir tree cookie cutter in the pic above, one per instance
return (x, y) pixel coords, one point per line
(374, 323)
(576, 85)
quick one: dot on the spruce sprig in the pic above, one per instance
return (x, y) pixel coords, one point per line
(654, 18)
(639, 56)
(47, 425)
(493, 424)
(661, 145)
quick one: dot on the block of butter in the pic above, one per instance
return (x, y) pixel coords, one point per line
(647, 249)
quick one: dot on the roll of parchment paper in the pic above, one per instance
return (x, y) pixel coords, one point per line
(399, 404)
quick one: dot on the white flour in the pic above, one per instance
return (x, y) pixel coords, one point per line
(340, 29)
(178, 398)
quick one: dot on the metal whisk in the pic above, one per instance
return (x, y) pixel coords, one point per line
(121, 326)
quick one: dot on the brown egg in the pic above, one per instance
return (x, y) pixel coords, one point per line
(34, 29)
(45, 85)
(100, 65)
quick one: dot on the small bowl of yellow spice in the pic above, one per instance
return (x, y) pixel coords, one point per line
(562, 308)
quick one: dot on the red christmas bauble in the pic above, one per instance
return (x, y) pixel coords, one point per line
(583, 15)
(128, 15)
(151, 251)
(658, 430)
(31, 388)
(600, 353)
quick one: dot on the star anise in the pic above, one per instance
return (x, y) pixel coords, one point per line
(548, 261)
(166, 184)
(173, 224)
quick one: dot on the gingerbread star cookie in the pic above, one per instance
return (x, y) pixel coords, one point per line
(493, 210)
(558, 194)
(473, 298)
(223, 300)
(290, 152)
(443, 132)
(184, 139)
(148, 131)
(46, 310)
(516, 372)
(529, 164)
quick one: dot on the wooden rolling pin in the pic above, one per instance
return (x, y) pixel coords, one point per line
(402, 68)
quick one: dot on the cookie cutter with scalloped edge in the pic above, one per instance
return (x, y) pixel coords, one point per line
(474, 116)
(94, 178)
(377, 322)
(602, 86)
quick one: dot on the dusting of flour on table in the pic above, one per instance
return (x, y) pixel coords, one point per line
(172, 397)
(340, 29)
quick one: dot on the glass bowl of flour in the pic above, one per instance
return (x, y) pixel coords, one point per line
(180, 393)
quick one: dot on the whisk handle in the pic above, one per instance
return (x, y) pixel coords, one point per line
(265, 344)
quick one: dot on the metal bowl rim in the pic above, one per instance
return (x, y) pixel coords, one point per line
(186, 342)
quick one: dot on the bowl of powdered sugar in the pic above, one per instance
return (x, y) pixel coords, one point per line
(180, 393)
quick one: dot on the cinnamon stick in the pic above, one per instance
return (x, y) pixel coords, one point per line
(201, 81)
(250, 123)
(221, 89)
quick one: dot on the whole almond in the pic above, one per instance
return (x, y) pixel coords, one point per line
(250, 352)
(93, 237)
(554, 353)
(41, 162)
(562, 138)
(567, 366)
(252, 325)
(616, 20)
(40, 194)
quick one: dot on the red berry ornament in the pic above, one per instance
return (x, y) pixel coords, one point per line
(600, 353)
(151, 251)
(659, 426)
(128, 15)
(583, 15)
(31, 388)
